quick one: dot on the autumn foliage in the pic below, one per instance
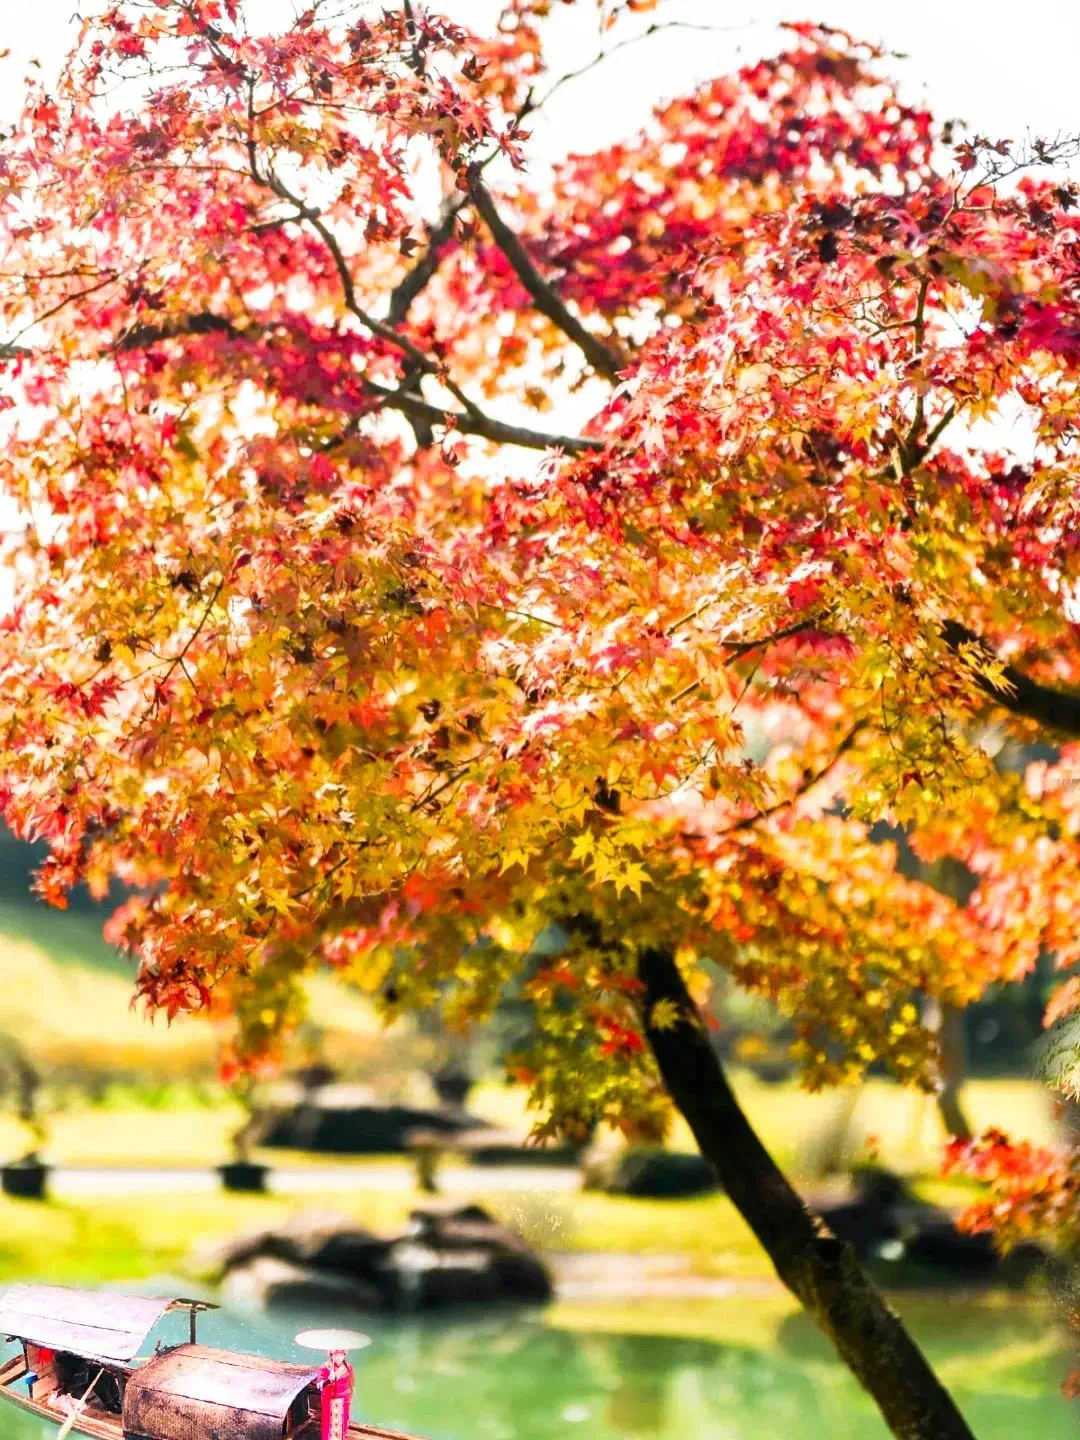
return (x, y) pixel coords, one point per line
(1027, 1191)
(422, 553)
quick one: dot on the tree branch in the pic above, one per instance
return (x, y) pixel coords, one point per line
(388, 332)
(1058, 710)
(468, 422)
(385, 332)
(605, 358)
(908, 445)
(410, 286)
(656, 28)
(481, 425)
(920, 452)
(204, 323)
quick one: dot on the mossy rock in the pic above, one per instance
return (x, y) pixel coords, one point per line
(650, 1172)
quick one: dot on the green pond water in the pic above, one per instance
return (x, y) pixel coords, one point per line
(575, 1372)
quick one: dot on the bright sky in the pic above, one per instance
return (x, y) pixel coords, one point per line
(1005, 67)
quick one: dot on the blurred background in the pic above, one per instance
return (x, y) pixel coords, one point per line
(384, 1181)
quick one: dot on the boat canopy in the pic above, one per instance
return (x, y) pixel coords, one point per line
(94, 1324)
(194, 1391)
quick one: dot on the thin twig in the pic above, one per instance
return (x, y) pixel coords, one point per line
(654, 29)
(738, 648)
(921, 451)
(908, 445)
(804, 787)
(389, 333)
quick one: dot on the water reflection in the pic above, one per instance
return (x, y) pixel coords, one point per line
(514, 1377)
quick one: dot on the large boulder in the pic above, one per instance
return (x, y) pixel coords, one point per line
(465, 1254)
(917, 1243)
(871, 1216)
(445, 1257)
(650, 1172)
(268, 1284)
(350, 1120)
(325, 1241)
(938, 1244)
(428, 1279)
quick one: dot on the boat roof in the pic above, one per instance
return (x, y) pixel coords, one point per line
(96, 1324)
(194, 1390)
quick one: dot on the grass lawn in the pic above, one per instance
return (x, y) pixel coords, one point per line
(68, 1000)
(72, 1011)
(115, 1238)
(904, 1124)
(74, 1003)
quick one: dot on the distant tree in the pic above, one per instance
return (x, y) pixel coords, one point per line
(311, 650)
(20, 1081)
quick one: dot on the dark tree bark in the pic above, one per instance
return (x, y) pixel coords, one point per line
(1056, 710)
(819, 1270)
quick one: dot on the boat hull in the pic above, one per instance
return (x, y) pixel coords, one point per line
(101, 1426)
(93, 1423)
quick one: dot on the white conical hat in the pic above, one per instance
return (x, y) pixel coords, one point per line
(332, 1340)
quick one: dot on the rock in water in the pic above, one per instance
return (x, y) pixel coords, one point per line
(451, 1257)
(269, 1284)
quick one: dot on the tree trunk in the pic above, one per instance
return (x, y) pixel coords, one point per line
(821, 1271)
(952, 1042)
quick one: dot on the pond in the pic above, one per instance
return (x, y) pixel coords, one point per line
(746, 1369)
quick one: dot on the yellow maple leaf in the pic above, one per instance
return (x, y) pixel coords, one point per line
(630, 877)
(664, 1015)
(514, 857)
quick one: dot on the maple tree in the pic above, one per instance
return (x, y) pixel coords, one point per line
(337, 645)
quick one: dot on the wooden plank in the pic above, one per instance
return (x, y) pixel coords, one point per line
(359, 1431)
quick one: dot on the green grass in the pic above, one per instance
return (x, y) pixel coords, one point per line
(70, 994)
(67, 995)
(178, 1131)
(67, 998)
(69, 937)
(79, 1018)
(901, 1127)
(115, 1238)
(133, 1135)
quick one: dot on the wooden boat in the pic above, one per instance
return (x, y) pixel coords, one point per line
(178, 1392)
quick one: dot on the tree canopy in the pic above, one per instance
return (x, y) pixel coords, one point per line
(425, 553)
(306, 645)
